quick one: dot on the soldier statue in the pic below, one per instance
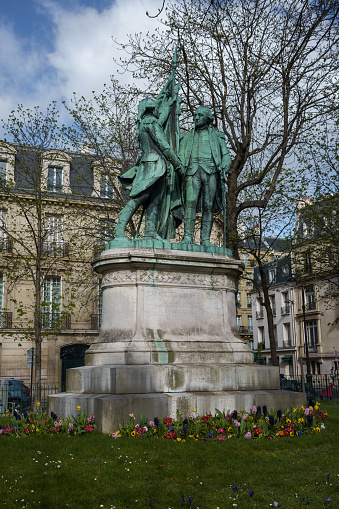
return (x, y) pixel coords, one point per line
(147, 179)
(206, 161)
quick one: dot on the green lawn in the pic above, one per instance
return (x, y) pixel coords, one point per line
(95, 470)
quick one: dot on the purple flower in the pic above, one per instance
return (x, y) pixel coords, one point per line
(156, 421)
(328, 499)
(310, 419)
(275, 504)
(271, 420)
(264, 410)
(328, 476)
(259, 410)
(183, 497)
(235, 414)
(150, 503)
(235, 489)
(185, 421)
(54, 416)
(25, 414)
(251, 493)
(190, 500)
(279, 417)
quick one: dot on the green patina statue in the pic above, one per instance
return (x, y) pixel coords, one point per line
(171, 175)
(206, 161)
(149, 179)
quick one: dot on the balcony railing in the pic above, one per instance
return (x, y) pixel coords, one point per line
(260, 314)
(245, 330)
(285, 310)
(288, 344)
(95, 321)
(56, 320)
(274, 310)
(310, 305)
(56, 249)
(6, 245)
(6, 320)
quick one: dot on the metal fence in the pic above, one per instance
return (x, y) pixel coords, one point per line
(322, 387)
(15, 395)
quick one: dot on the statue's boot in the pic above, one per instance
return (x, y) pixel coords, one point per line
(151, 221)
(189, 224)
(206, 228)
(125, 215)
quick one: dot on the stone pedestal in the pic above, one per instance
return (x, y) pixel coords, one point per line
(167, 342)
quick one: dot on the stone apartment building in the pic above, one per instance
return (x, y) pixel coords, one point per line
(293, 282)
(56, 211)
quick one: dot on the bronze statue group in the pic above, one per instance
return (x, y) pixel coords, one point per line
(174, 175)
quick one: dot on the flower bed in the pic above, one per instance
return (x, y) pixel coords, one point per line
(39, 423)
(257, 424)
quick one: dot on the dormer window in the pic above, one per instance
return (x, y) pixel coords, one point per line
(104, 178)
(54, 179)
(56, 171)
(106, 187)
(3, 170)
(7, 161)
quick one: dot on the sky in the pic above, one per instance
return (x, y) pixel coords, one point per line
(52, 48)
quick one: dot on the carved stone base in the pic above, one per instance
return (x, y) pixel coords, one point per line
(167, 307)
(166, 342)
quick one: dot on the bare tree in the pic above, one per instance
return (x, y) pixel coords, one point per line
(268, 69)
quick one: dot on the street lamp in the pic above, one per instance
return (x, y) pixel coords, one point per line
(297, 279)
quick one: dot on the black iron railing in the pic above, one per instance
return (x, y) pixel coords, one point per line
(60, 321)
(56, 249)
(6, 320)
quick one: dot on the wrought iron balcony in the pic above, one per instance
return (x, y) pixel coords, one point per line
(260, 314)
(5, 320)
(285, 310)
(6, 245)
(56, 249)
(310, 305)
(245, 330)
(58, 321)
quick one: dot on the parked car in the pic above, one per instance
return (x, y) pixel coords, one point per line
(290, 384)
(18, 394)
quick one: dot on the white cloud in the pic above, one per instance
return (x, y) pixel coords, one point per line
(84, 49)
(82, 55)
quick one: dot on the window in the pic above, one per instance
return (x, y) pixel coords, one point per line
(56, 169)
(54, 179)
(307, 263)
(271, 275)
(261, 335)
(3, 171)
(249, 300)
(106, 187)
(53, 243)
(312, 334)
(51, 302)
(244, 257)
(285, 270)
(310, 297)
(238, 321)
(287, 334)
(260, 309)
(238, 299)
(250, 323)
(274, 309)
(248, 278)
(106, 230)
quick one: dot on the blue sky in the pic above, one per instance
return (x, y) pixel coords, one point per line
(52, 48)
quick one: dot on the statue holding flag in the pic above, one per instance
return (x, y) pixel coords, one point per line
(154, 180)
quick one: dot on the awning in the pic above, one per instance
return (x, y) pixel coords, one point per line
(270, 359)
(287, 358)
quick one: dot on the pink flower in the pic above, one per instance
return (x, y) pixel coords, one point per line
(70, 426)
(307, 411)
(254, 409)
(244, 417)
(220, 430)
(115, 435)
(192, 416)
(248, 435)
(236, 423)
(151, 423)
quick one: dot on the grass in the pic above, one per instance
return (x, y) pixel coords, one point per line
(94, 470)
